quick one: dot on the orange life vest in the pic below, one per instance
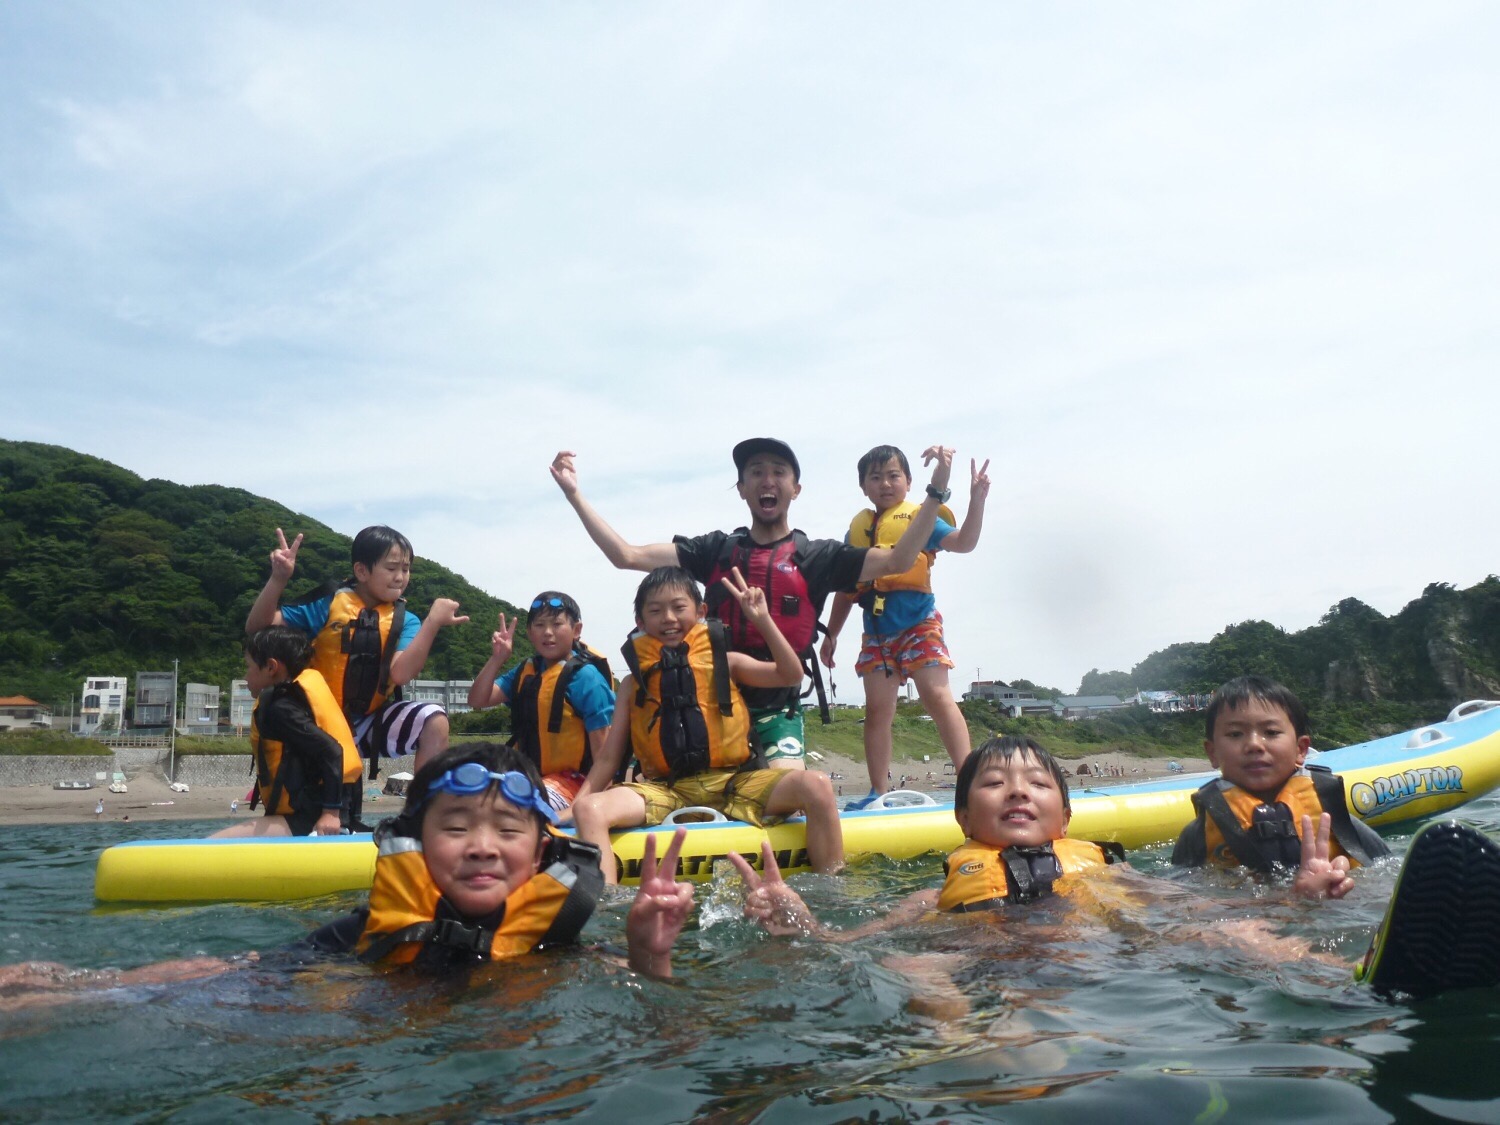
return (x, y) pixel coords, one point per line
(688, 715)
(544, 725)
(884, 529)
(1233, 836)
(983, 877)
(354, 650)
(270, 754)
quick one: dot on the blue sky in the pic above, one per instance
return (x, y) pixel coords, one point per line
(1212, 286)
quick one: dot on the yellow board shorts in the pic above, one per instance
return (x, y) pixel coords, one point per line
(738, 794)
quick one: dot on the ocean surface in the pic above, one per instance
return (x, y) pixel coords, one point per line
(1114, 1005)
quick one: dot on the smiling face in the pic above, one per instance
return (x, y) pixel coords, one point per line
(1014, 801)
(886, 485)
(768, 486)
(1256, 747)
(479, 848)
(667, 613)
(553, 635)
(386, 580)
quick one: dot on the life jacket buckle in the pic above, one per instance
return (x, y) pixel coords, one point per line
(454, 934)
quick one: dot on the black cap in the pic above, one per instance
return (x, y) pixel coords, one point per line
(751, 446)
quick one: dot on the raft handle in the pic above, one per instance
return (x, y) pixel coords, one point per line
(694, 814)
(1472, 707)
(901, 799)
(1427, 736)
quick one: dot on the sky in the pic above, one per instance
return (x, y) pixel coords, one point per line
(1212, 287)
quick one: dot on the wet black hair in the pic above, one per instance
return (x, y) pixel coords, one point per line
(666, 578)
(495, 756)
(1002, 749)
(279, 642)
(1241, 690)
(568, 609)
(879, 456)
(374, 543)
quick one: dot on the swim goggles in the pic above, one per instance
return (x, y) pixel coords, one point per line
(554, 603)
(475, 777)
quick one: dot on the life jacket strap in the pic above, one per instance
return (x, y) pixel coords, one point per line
(1329, 787)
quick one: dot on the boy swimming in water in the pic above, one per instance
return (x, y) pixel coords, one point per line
(1267, 800)
(680, 710)
(903, 630)
(562, 700)
(304, 751)
(469, 872)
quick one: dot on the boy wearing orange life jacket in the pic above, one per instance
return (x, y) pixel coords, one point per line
(562, 700)
(1257, 811)
(797, 573)
(366, 644)
(680, 710)
(903, 631)
(304, 750)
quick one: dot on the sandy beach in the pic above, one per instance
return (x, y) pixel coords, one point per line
(149, 798)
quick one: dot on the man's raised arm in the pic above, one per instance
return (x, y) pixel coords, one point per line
(624, 556)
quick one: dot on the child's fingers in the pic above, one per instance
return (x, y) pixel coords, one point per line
(281, 539)
(768, 864)
(674, 849)
(747, 873)
(1325, 833)
(648, 859)
(1308, 842)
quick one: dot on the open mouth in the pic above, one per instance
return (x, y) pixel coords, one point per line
(767, 501)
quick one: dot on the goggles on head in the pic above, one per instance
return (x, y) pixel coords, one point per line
(551, 603)
(475, 777)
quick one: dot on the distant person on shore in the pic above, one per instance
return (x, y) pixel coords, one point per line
(903, 630)
(99, 809)
(562, 700)
(796, 572)
(1267, 801)
(366, 645)
(305, 757)
(681, 711)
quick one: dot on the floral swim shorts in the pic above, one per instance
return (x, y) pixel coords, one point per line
(921, 646)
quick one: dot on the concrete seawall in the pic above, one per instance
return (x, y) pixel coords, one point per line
(208, 770)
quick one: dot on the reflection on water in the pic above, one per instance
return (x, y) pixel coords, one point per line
(1118, 1004)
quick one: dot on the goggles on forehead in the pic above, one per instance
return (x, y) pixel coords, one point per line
(551, 603)
(475, 777)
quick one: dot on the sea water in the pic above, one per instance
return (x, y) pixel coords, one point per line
(1108, 1010)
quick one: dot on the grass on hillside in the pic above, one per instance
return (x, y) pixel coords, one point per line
(51, 742)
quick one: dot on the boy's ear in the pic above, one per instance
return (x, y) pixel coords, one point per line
(1304, 744)
(361, 572)
(276, 669)
(962, 816)
(1208, 752)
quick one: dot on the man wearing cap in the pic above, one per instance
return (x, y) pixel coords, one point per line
(797, 573)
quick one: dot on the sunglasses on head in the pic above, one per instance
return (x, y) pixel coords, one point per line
(475, 777)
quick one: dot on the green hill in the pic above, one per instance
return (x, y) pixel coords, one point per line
(104, 573)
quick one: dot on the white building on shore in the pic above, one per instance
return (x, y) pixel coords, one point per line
(103, 705)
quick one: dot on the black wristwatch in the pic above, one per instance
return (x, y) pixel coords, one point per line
(940, 495)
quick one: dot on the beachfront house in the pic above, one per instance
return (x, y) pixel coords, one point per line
(1088, 706)
(200, 709)
(241, 706)
(155, 699)
(1014, 702)
(451, 695)
(103, 707)
(19, 713)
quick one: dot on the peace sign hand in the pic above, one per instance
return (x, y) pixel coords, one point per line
(979, 481)
(284, 558)
(502, 640)
(660, 909)
(1318, 876)
(752, 599)
(769, 902)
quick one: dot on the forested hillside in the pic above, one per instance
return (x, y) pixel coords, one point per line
(1444, 647)
(104, 573)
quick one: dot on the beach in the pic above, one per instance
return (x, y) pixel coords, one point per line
(149, 797)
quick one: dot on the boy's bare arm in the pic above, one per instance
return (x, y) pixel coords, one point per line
(407, 665)
(609, 754)
(966, 536)
(622, 555)
(786, 670)
(266, 609)
(900, 558)
(842, 604)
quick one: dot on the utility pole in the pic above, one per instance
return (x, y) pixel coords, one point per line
(172, 732)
